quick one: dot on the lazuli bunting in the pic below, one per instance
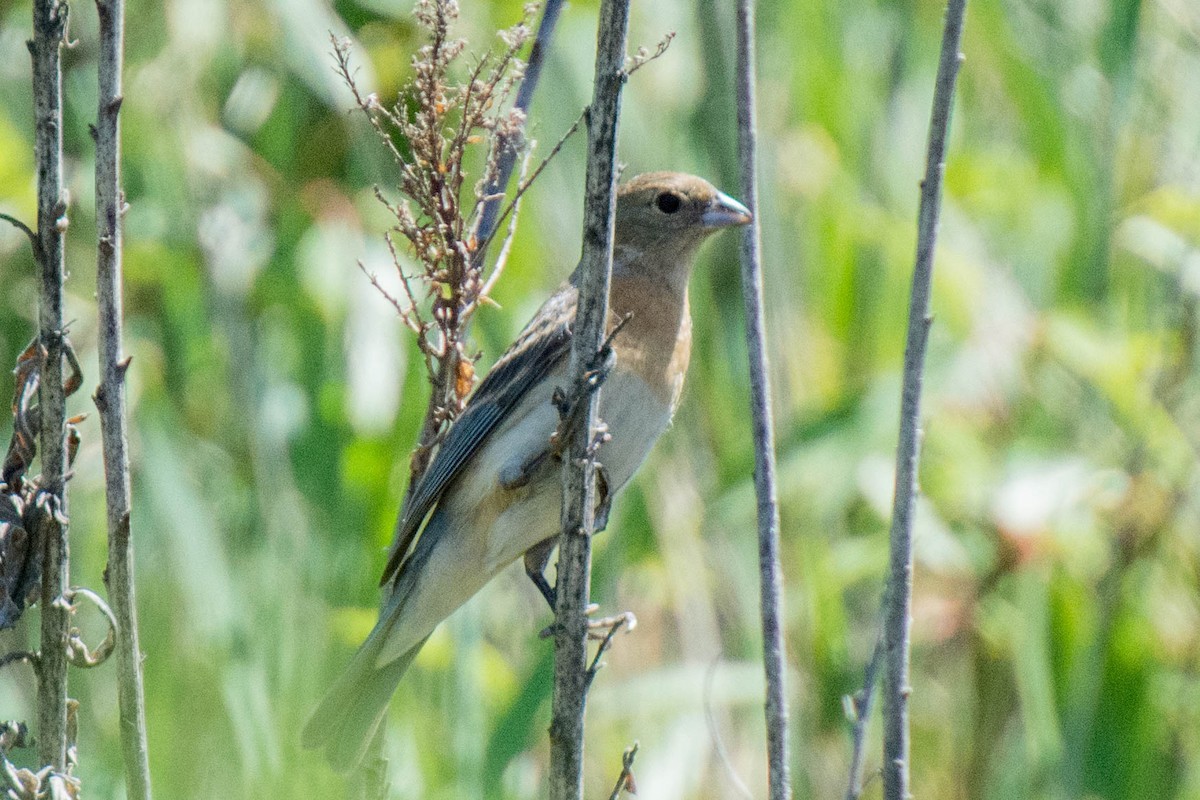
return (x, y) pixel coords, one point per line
(493, 490)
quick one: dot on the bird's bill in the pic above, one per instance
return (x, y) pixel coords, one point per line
(724, 212)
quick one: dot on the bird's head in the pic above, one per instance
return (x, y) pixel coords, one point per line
(662, 217)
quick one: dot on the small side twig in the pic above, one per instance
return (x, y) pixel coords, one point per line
(858, 709)
(25, 229)
(626, 620)
(770, 572)
(509, 234)
(643, 56)
(625, 782)
(17, 656)
(898, 601)
(524, 185)
(632, 65)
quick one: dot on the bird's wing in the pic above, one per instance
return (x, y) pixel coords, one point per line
(545, 341)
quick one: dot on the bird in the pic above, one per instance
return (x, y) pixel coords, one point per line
(492, 492)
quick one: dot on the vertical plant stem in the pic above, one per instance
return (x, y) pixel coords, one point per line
(770, 574)
(579, 503)
(110, 399)
(898, 602)
(49, 23)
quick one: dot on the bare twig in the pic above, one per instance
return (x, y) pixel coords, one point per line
(525, 184)
(613, 625)
(859, 711)
(509, 234)
(23, 228)
(770, 573)
(625, 782)
(643, 56)
(579, 468)
(110, 399)
(49, 27)
(17, 656)
(898, 601)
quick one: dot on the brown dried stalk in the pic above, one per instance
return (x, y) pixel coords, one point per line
(436, 124)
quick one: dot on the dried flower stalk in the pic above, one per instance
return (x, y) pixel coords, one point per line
(432, 130)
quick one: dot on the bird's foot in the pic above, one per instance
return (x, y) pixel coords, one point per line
(602, 629)
(606, 627)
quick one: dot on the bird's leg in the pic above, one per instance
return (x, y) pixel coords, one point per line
(516, 475)
(599, 629)
(537, 558)
(604, 498)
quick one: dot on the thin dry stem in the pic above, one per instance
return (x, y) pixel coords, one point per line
(643, 56)
(524, 185)
(49, 30)
(114, 419)
(898, 601)
(506, 246)
(625, 782)
(765, 491)
(571, 677)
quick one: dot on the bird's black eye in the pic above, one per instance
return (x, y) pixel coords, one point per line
(668, 203)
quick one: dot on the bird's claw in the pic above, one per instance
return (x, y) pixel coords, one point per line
(599, 629)
(604, 628)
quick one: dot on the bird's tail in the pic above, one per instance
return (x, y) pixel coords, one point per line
(352, 709)
(354, 706)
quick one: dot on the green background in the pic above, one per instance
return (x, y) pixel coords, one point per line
(275, 400)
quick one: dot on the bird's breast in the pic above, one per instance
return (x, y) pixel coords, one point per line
(656, 341)
(636, 414)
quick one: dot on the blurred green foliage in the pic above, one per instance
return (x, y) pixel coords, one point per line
(276, 398)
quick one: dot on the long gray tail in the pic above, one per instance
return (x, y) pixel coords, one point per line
(348, 717)
(354, 706)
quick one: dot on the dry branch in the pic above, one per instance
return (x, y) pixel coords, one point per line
(625, 782)
(770, 573)
(49, 26)
(442, 228)
(859, 709)
(573, 589)
(110, 399)
(898, 601)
